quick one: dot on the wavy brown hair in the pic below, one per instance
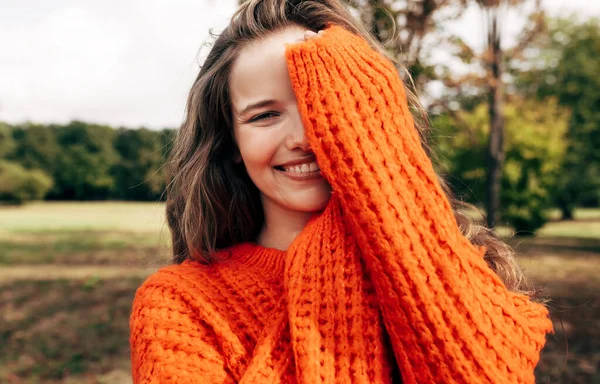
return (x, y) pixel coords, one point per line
(211, 201)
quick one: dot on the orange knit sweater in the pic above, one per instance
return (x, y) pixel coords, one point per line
(382, 279)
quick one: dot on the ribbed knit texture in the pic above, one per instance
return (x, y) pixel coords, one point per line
(383, 278)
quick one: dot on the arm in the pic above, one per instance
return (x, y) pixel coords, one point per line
(449, 317)
(172, 343)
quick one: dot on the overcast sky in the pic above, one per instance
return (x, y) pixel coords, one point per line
(128, 62)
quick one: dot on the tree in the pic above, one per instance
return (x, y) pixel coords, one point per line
(7, 143)
(84, 161)
(495, 153)
(35, 147)
(418, 19)
(404, 28)
(19, 185)
(485, 82)
(89, 161)
(534, 153)
(139, 174)
(563, 63)
(533, 157)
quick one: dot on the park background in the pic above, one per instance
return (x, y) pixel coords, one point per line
(90, 95)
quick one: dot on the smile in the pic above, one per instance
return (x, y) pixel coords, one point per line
(304, 171)
(301, 168)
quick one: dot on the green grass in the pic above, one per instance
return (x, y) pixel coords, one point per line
(120, 216)
(586, 225)
(83, 233)
(573, 229)
(80, 247)
(580, 214)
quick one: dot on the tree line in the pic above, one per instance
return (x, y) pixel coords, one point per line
(82, 161)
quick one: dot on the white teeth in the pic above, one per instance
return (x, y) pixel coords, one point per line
(303, 168)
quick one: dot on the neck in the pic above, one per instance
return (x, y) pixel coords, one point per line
(281, 226)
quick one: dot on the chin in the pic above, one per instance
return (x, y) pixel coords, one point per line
(312, 207)
(315, 202)
(301, 199)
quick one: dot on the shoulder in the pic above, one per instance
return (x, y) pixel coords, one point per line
(178, 282)
(174, 328)
(177, 275)
(176, 297)
(192, 283)
(208, 290)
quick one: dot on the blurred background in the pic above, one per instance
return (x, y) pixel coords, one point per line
(90, 95)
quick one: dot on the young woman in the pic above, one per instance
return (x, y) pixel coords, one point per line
(312, 240)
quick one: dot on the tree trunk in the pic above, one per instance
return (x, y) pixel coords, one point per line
(566, 211)
(496, 113)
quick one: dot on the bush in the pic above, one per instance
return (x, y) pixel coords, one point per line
(534, 145)
(19, 185)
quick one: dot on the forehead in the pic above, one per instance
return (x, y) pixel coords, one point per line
(260, 70)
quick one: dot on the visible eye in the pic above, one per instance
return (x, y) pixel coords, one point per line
(264, 116)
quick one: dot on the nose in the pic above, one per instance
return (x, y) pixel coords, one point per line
(296, 135)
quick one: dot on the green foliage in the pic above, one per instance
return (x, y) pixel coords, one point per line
(90, 161)
(563, 64)
(535, 149)
(140, 175)
(83, 164)
(7, 143)
(19, 185)
(35, 146)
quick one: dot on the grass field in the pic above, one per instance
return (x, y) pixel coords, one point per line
(69, 271)
(128, 234)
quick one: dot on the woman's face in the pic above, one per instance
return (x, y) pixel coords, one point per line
(268, 127)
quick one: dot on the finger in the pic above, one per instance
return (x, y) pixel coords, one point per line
(317, 35)
(309, 34)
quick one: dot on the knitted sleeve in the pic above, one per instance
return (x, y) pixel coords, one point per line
(449, 316)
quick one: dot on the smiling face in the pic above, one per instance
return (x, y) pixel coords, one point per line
(268, 127)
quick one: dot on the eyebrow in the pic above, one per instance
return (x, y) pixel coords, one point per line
(258, 104)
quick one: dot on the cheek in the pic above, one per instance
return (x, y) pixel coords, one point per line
(257, 148)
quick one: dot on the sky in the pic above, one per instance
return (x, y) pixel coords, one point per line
(131, 62)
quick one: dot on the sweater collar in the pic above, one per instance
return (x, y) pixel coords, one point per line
(254, 256)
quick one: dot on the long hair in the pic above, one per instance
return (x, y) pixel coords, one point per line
(211, 201)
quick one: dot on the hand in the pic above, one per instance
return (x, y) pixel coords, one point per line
(308, 35)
